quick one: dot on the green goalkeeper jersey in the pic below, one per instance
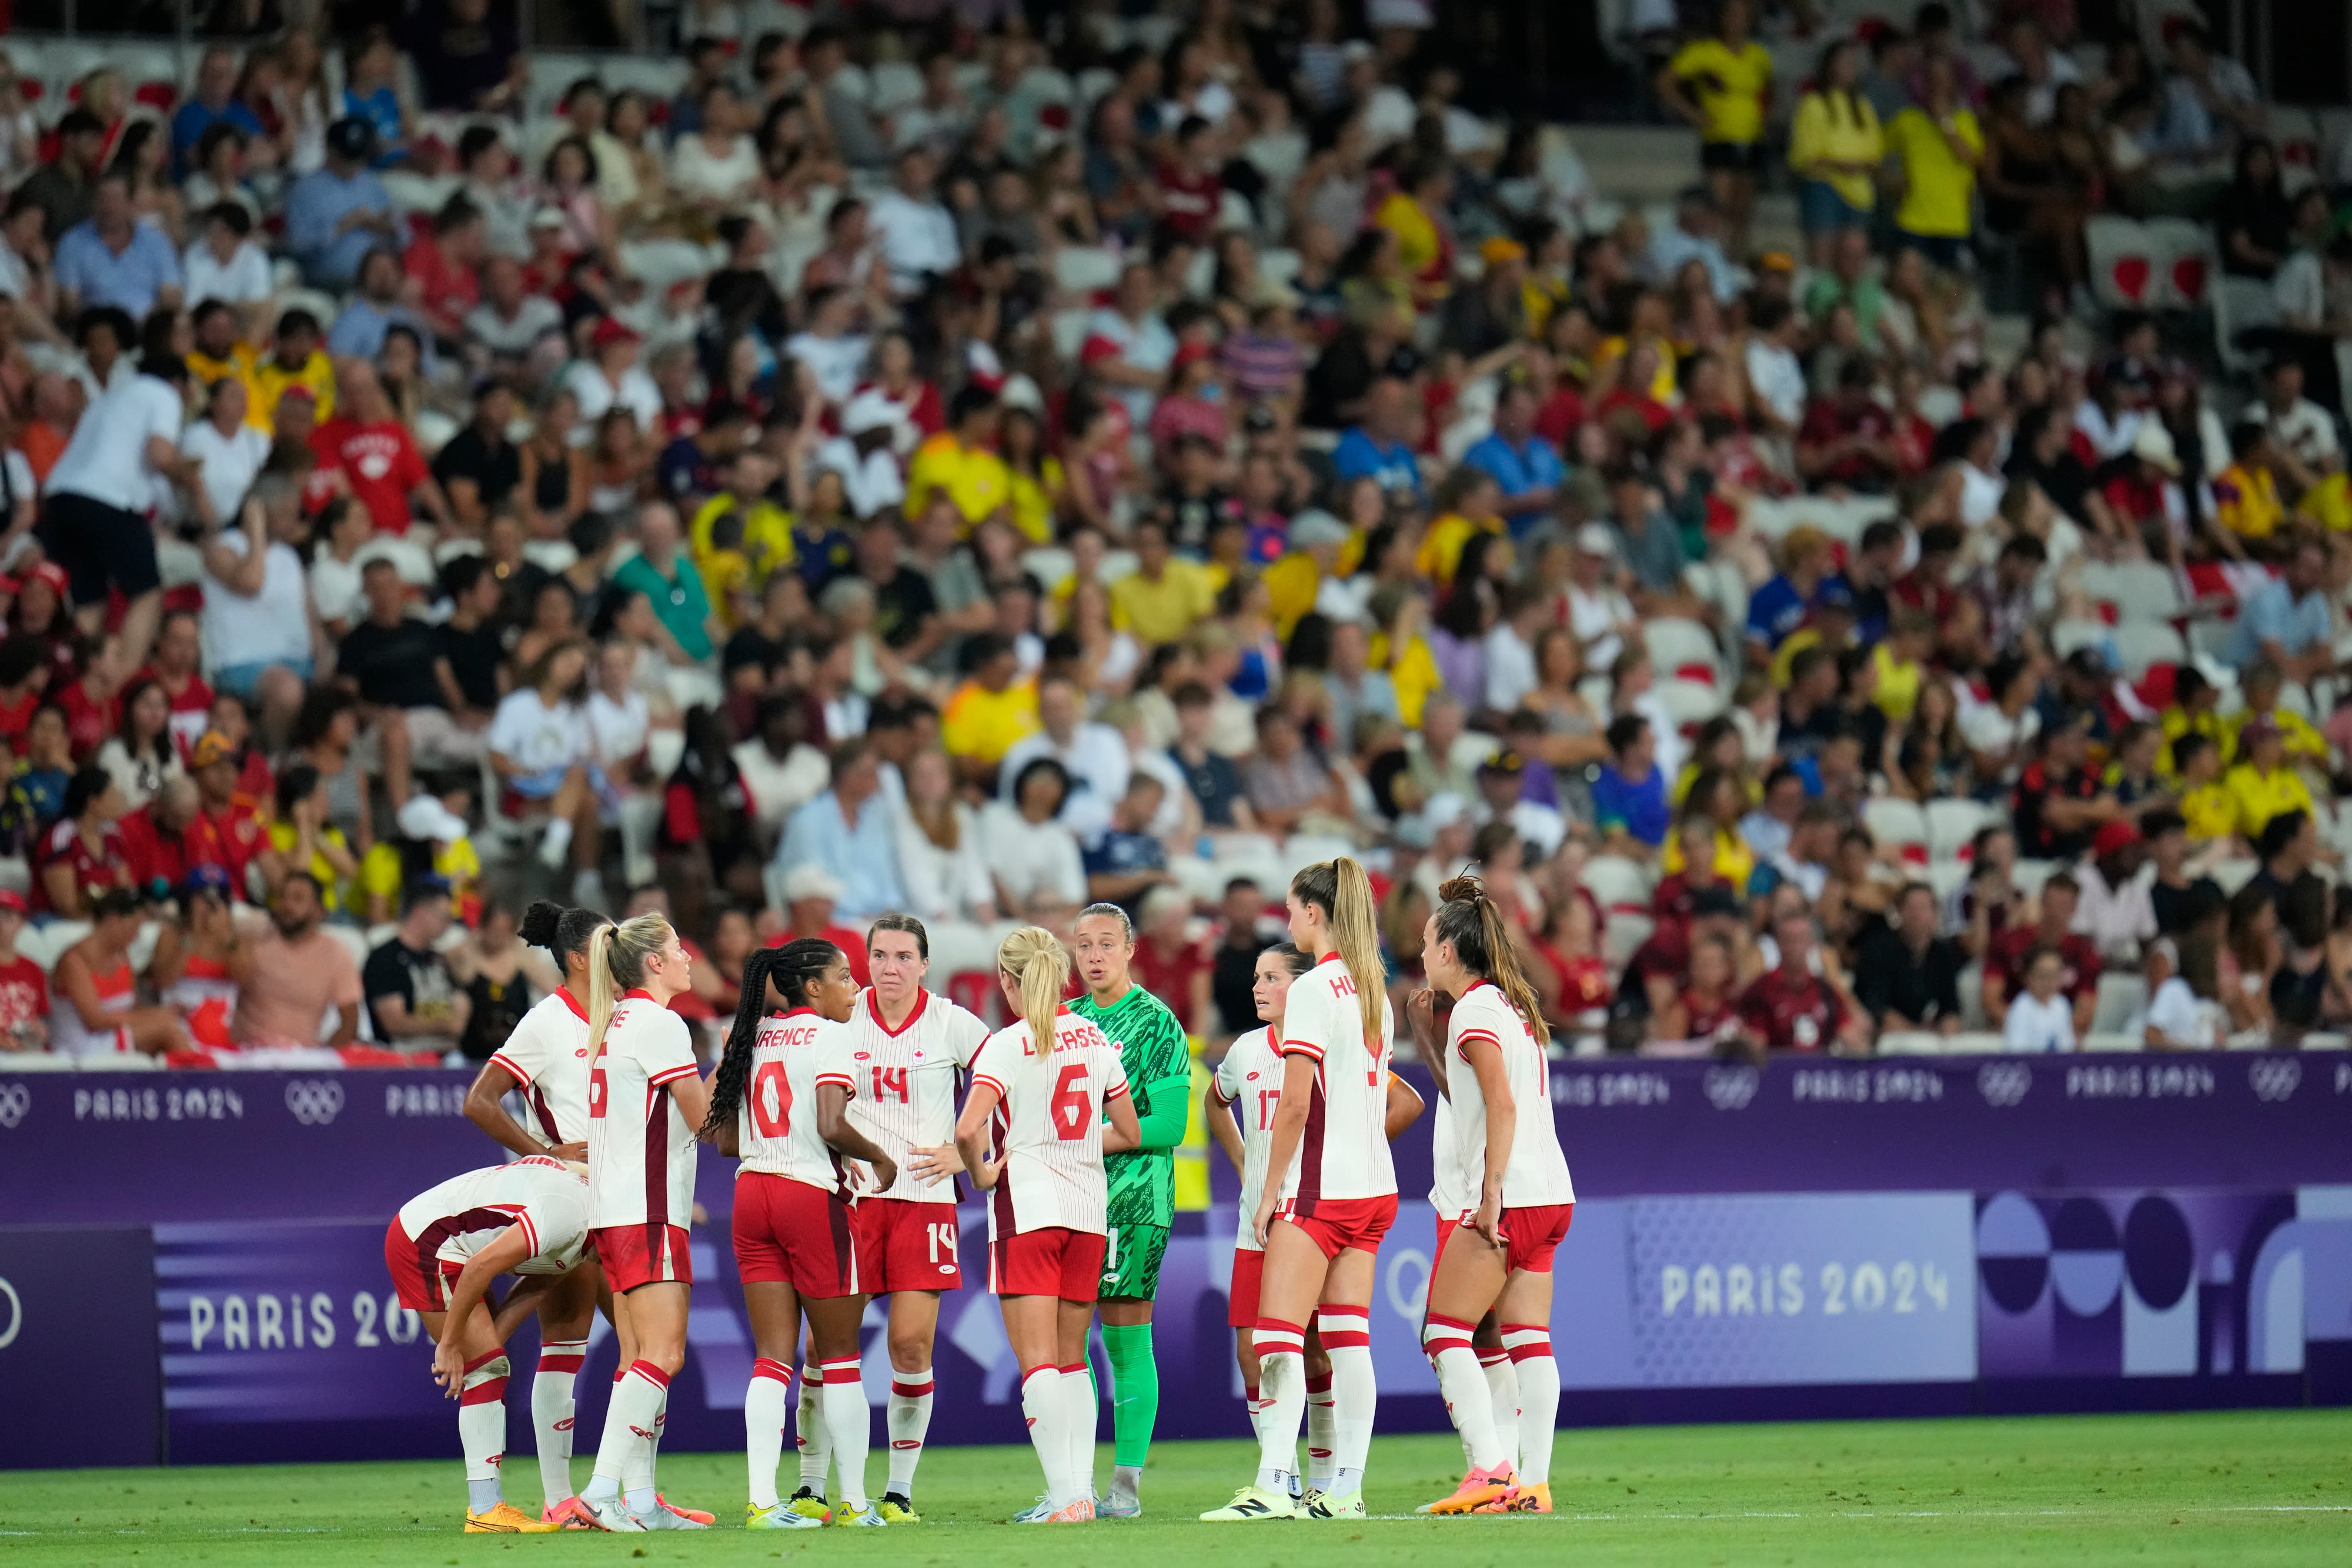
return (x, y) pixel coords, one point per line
(1153, 1050)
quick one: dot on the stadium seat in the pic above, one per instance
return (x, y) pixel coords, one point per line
(2184, 260)
(2031, 875)
(1910, 1043)
(1623, 934)
(2122, 260)
(2240, 304)
(1953, 825)
(2110, 1041)
(1691, 703)
(1617, 884)
(2139, 589)
(1894, 822)
(2142, 644)
(1679, 648)
(2121, 996)
(1971, 1043)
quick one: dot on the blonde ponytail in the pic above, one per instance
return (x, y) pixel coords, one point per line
(616, 963)
(1040, 965)
(1345, 895)
(1483, 942)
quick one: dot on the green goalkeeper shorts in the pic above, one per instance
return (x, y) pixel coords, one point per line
(1131, 1255)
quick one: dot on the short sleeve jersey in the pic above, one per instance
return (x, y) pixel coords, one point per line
(1729, 86)
(547, 1055)
(902, 1082)
(1344, 1153)
(453, 1221)
(1249, 1079)
(1158, 1059)
(776, 1130)
(640, 1149)
(1535, 1175)
(1047, 1128)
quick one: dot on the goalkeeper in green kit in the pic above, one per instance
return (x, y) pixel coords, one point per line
(1142, 1206)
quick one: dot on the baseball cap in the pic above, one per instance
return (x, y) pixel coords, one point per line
(2152, 444)
(2113, 837)
(1594, 538)
(1316, 527)
(811, 881)
(425, 817)
(352, 137)
(1504, 764)
(12, 900)
(611, 330)
(51, 573)
(205, 877)
(211, 747)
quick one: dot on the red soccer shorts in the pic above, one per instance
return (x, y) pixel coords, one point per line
(1241, 1302)
(1340, 1224)
(422, 1283)
(1053, 1262)
(1530, 1235)
(636, 1255)
(904, 1246)
(790, 1233)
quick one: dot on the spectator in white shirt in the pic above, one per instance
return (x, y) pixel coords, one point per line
(915, 234)
(863, 455)
(1600, 616)
(782, 771)
(231, 452)
(2116, 909)
(2301, 431)
(225, 264)
(1510, 647)
(1775, 378)
(1095, 756)
(835, 354)
(1040, 876)
(612, 379)
(259, 632)
(2041, 1019)
(716, 166)
(940, 857)
(2179, 1016)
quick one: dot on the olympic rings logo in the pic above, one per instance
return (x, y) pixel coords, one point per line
(315, 1102)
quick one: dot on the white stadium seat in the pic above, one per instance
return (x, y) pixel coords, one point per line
(1894, 822)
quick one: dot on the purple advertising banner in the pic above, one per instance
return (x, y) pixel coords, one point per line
(78, 1335)
(1806, 1237)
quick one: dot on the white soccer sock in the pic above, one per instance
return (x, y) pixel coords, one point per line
(1319, 1428)
(1084, 1404)
(482, 1427)
(1282, 1389)
(552, 1412)
(808, 1430)
(637, 1475)
(1251, 1403)
(1355, 1392)
(1043, 1407)
(629, 1425)
(849, 1425)
(909, 1421)
(1467, 1399)
(557, 844)
(1503, 1390)
(1538, 1378)
(767, 1405)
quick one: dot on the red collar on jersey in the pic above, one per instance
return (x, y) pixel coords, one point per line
(639, 994)
(1331, 958)
(874, 1009)
(797, 1012)
(572, 1002)
(1274, 1037)
(1472, 986)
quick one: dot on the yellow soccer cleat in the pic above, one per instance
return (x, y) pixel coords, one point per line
(809, 1505)
(897, 1510)
(1252, 1502)
(507, 1520)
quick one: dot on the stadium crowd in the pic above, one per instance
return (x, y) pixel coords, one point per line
(923, 466)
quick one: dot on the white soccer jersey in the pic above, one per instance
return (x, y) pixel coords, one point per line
(1446, 1193)
(1250, 1080)
(1344, 1153)
(464, 1214)
(1048, 1127)
(640, 1150)
(776, 1128)
(547, 1055)
(902, 1091)
(1537, 1172)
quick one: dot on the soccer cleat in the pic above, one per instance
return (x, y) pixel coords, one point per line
(870, 1518)
(1478, 1488)
(1118, 1507)
(608, 1513)
(1253, 1502)
(1535, 1499)
(1080, 1511)
(569, 1514)
(663, 1517)
(1335, 1505)
(809, 1505)
(691, 1515)
(1035, 1512)
(506, 1520)
(898, 1510)
(777, 1516)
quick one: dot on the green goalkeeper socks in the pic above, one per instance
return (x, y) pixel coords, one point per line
(1135, 1391)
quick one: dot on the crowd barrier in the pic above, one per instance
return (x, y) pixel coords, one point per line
(191, 1267)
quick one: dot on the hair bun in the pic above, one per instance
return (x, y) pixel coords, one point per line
(1463, 889)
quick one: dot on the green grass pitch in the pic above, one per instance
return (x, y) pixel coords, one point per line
(2236, 1491)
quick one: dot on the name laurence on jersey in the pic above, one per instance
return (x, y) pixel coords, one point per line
(776, 1129)
(640, 1150)
(464, 1214)
(1048, 1127)
(1250, 1080)
(1344, 1153)
(1537, 1172)
(547, 1055)
(902, 1084)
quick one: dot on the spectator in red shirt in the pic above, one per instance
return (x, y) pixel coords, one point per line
(173, 667)
(1793, 1008)
(2078, 956)
(367, 442)
(1847, 440)
(1191, 193)
(24, 989)
(170, 836)
(92, 705)
(23, 676)
(444, 268)
(82, 853)
(232, 823)
(1175, 970)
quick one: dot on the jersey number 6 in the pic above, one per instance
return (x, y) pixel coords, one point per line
(1070, 1104)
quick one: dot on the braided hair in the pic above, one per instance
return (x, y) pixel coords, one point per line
(792, 969)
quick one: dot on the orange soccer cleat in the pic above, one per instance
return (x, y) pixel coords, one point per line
(1480, 1490)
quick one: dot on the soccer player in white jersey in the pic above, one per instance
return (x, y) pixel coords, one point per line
(645, 1102)
(545, 1061)
(907, 1047)
(1329, 1196)
(779, 1100)
(1032, 1136)
(443, 1249)
(1503, 1149)
(1240, 1106)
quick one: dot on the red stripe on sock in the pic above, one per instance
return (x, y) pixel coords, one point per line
(1076, 1370)
(489, 1393)
(1491, 1355)
(650, 1372)
(839, 1372)
(777, 1370)
(1437, 1319)
(1249, 1392)
(561, 1363)
(1320, 1382)
(1541, 1349)
(487, 1357)
(911, 1390)
(1526, 1328)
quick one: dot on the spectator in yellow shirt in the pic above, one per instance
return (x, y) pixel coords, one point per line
(2259, 686)
(1722, 84)
(1938, 145)
(1468, 503)
(2262, 786)
(2245, 494)
(1318, 542)
(295, 360)
(2205, 805)
(2195, 710)
(991, 710)
(1835, 146)
(1165, 596)
(961, 462)
(767, 542)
